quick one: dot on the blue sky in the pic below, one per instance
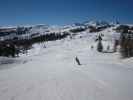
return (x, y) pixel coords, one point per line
(59, 12)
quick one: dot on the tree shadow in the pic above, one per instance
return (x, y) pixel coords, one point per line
(7, 63)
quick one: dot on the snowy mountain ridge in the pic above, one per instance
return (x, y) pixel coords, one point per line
(41, 29)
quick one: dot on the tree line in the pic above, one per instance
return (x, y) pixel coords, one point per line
(126, 45)
(12, 48)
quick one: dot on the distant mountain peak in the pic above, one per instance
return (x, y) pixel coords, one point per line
(96, 23)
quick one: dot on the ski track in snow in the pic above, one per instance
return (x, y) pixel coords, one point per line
(52, 74)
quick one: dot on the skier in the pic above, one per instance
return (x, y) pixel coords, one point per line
(92, 47)
(77, 60)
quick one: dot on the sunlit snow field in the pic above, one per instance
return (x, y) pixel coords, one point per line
(52, 73)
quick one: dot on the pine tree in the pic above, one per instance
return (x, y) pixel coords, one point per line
(126, 45)
(99, 45)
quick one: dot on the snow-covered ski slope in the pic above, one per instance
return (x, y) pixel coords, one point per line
(51, 73)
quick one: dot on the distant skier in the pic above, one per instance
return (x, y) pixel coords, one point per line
(44, 46)
(92, 47)
(77, 60)
(108, 48)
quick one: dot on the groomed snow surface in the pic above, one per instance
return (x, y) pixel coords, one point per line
(52, 73)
